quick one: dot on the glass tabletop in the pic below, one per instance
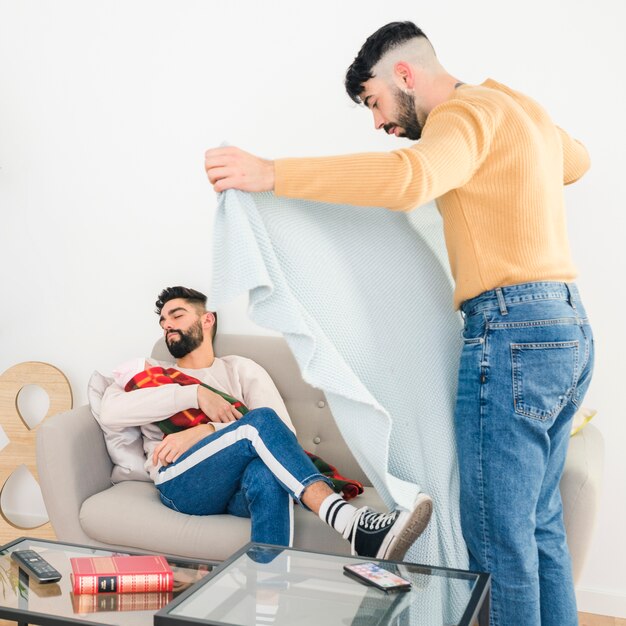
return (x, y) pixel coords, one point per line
(283, 586)
(25, 600)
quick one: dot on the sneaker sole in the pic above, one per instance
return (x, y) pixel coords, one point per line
(414, 526)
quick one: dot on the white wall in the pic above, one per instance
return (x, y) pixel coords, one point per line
(106, 108)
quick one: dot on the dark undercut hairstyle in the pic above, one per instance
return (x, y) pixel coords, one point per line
(189, 295)
(373, 50)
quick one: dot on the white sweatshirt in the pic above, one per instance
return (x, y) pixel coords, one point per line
(237, 376)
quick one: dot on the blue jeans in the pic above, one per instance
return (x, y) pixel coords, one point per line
(525, 367)
(253, 468)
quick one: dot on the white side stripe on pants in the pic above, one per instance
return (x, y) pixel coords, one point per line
(291, 522)
(225, 441)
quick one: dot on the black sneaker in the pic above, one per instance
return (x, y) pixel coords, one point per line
(388, 535)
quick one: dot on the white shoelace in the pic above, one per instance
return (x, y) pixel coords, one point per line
(369, 521)
(375, 521)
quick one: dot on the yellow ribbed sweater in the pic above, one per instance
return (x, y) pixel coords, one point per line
(495, 163)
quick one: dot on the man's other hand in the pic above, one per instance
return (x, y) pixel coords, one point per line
(176, 444)
(215, 407)
(232, 168)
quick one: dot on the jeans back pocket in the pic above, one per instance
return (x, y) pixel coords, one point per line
(544, 377)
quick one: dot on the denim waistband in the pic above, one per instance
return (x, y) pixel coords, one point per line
(502, 297)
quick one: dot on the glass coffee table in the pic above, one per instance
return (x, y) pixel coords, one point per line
(263, 584)
(27, 602)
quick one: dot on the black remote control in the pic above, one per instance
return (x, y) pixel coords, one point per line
(36, 566)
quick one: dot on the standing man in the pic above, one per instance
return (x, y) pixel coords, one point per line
(496, 165)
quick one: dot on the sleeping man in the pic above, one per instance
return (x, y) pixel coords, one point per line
(218, 439)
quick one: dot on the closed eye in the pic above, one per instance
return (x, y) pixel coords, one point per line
(368, 102)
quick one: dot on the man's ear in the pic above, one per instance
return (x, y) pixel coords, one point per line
(208, 320)
(404, 72)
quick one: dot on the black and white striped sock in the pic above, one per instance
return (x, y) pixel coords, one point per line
(336, 512)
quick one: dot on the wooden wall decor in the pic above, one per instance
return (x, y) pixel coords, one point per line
(20, 451)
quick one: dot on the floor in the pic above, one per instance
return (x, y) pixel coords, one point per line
(587, 619)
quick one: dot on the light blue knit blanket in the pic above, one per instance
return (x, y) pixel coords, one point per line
(363, 297)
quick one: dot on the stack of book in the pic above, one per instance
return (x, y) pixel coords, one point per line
(130, 583)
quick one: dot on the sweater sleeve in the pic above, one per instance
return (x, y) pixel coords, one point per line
(260, 391)
(575, 158)
(145, 406)
(455, 140)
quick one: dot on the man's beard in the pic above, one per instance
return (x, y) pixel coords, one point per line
(407, 116)
(187, 342)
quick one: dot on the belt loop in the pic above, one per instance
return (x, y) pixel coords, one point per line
(501, 302)
(571, 294)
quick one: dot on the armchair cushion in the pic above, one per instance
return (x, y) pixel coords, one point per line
(130, 514)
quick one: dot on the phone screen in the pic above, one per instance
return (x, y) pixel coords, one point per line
(375, 575)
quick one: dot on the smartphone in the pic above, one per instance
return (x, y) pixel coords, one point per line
(374, 574)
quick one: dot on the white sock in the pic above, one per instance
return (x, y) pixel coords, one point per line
(336, 512)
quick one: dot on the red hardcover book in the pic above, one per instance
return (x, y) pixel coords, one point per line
(121, 574)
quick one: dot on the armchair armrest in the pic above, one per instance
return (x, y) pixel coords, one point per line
(73, 464)
(580, 486)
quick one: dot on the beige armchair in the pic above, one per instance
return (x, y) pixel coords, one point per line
(84, 507)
